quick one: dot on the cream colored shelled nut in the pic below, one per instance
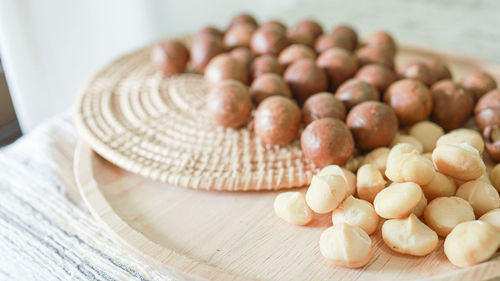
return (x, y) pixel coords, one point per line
(356, 212)
(444, 213)
(405, 164)
(291, 207)
(397, 200)
(348, 176)
(326, 192)
(492, 217)
(458, 136)
(471, 242)
(460, 161)
(495, 177)
(401, 138)
(378, 157)
(419, 209)
(346, 245)
(409, 236)
(483, 197)
(427, 133)
(440, 186)
(369, 182)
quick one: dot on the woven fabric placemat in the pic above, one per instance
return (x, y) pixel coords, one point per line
(157, 127)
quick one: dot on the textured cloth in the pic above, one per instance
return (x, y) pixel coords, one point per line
(46, 233)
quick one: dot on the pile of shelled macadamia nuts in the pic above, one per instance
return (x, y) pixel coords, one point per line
(420, 174)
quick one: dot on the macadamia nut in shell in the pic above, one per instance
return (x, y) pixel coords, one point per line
(229, 104)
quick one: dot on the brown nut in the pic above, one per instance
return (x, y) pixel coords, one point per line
(274, 24)
(460, 161)
(478, 83)
(492, 136)
(452, 104)
(328, 41)
(339, 64)
(305, 79)
(373, 124)
(209, 31)
(310, 26)
(277, 120)
(444, 213)
(322, 105)
(243, 18)
(265, 64)
(226, 67)
(410, 99)
(354, 91)
(326, 142)
(369, 55)
(427, 133)
(170, 57)
(439, 69)
(268, 84)
(487, 110)
(294, 53)
(383, 41)
(229, 103)
(348, 34)
(203, 49)
(300, 37)
(244, 55)
(270, 40)
(418, 71)
(238, 35)
(377, 75)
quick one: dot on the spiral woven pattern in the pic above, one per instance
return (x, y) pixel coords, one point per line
(157, 127)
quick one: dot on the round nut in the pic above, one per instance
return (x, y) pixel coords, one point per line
(470, 243)
(444, 213)
(244, 55)
(339, 64)
(268, 40)
(492, 136)
(483, 197)
(478, 83)
(329, 41)
(405, 163)
(294, 53)
(418, 71)
(277, 120)
(373, 124)
(243, 18)
(322, 105)
(378, 157)
(495, 177)
(457, 136)
(348, 176)
(410, 99)
(439, 69)
(400, 138)
(492, 217)
(378, 75)
(300, 37)
(209, 31)
(305, 79)
(170, 57)
(325, 193)
(346, 245)
(409, 236)
(229, 104)
(274, 24)
(268, 84)
(203, 49)
(452, 104)
(309, 26)
(225, 67)
(356, 212)
(487, 110)
(427, 133)
(374, 55)
(369, 182)
(440, 186)
(292, 207)
(354, 91)
(265, 64)
(348, 34)
(419, 209)
(327, 141)
(397, 200)
(382, 40)
(460, 161)
(238, 35)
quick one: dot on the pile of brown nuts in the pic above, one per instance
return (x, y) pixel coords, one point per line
(398, 127)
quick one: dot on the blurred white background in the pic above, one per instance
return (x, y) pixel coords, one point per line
(50, 48)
